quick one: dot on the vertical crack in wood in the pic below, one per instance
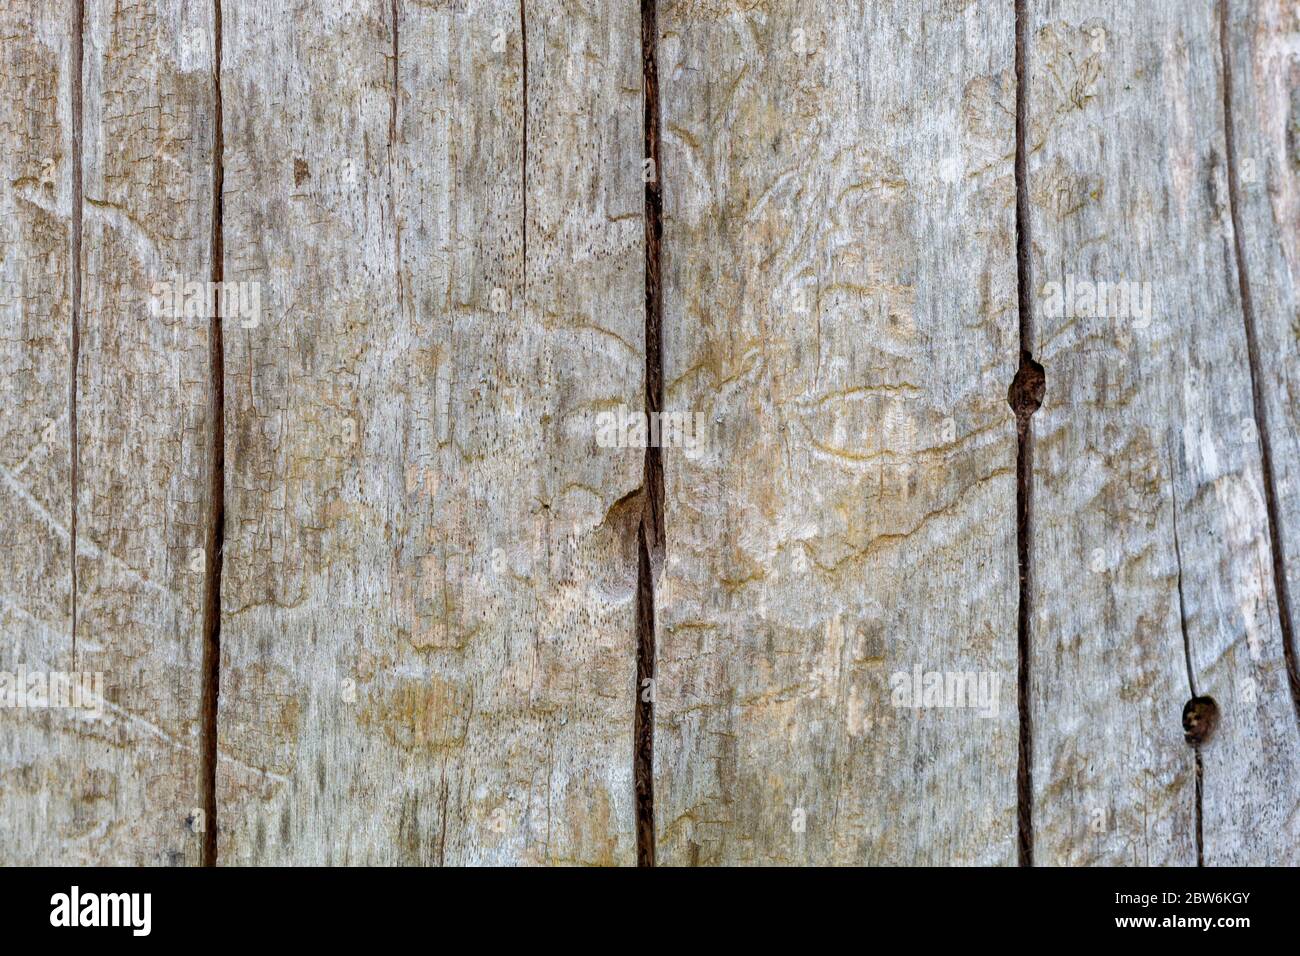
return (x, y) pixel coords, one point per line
(392, 147)
(1200, 803)
(1252, 351)
(216, 477)
(1178, 558)
(650, 533)
(392, 90)
(1187, 656)
(74, 330)
(442, 814)
(1025, 396)
(523, 47)
(643, 721)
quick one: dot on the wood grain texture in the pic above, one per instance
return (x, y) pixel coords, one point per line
(428, 633)
(36, 804)
(840, 303)
(129, 779)
(434, 215)
(1264, 57)
(1152, 568)
(142, 389)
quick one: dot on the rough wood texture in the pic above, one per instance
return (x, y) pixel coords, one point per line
(1264, 57)
(434, 215)
(428, 612)
(143, 427)
(130, 781)
(1152, 566)
(36, 804)
(840, 302)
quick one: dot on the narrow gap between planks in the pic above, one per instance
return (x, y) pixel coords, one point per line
(523, 172)
(1025, 395)
(650, 533)
(216, 477)
(74, 329)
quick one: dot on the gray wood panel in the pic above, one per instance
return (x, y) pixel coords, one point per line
(427, 629)
(840, 308)
(433, 224)
(35, 443)
(115, 781)
(1151, 554)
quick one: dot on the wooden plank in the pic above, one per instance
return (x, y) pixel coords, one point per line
(1150, 538)
(35, 479)
(581, 358)
(115, 781)
(1265, 90)
(840, 305)
(434, 214)
(427, 628)
(314, 469)
(143, 429)
(1263, 60)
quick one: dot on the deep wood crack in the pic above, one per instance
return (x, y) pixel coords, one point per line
(216, 479)
(74, 357)
(1025, 395)
(523, 48)
(650, 534)
(1191, 673)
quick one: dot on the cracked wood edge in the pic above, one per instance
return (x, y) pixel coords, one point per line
(854, 514)
(1144, 425)
(428, 634)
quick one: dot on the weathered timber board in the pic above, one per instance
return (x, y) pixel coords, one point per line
(840, 304)
(1151, 561)
(37, 749)
(1264, 57)
(143, 417)
(122, 788)
(428, 625)
(428, 608)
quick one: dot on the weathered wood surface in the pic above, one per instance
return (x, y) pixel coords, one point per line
(840, 304)
(122, 788)
(428, 610)
(428, 594)
(1153, 577)
(35, 344)
(143, 422)
(1264, 57)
